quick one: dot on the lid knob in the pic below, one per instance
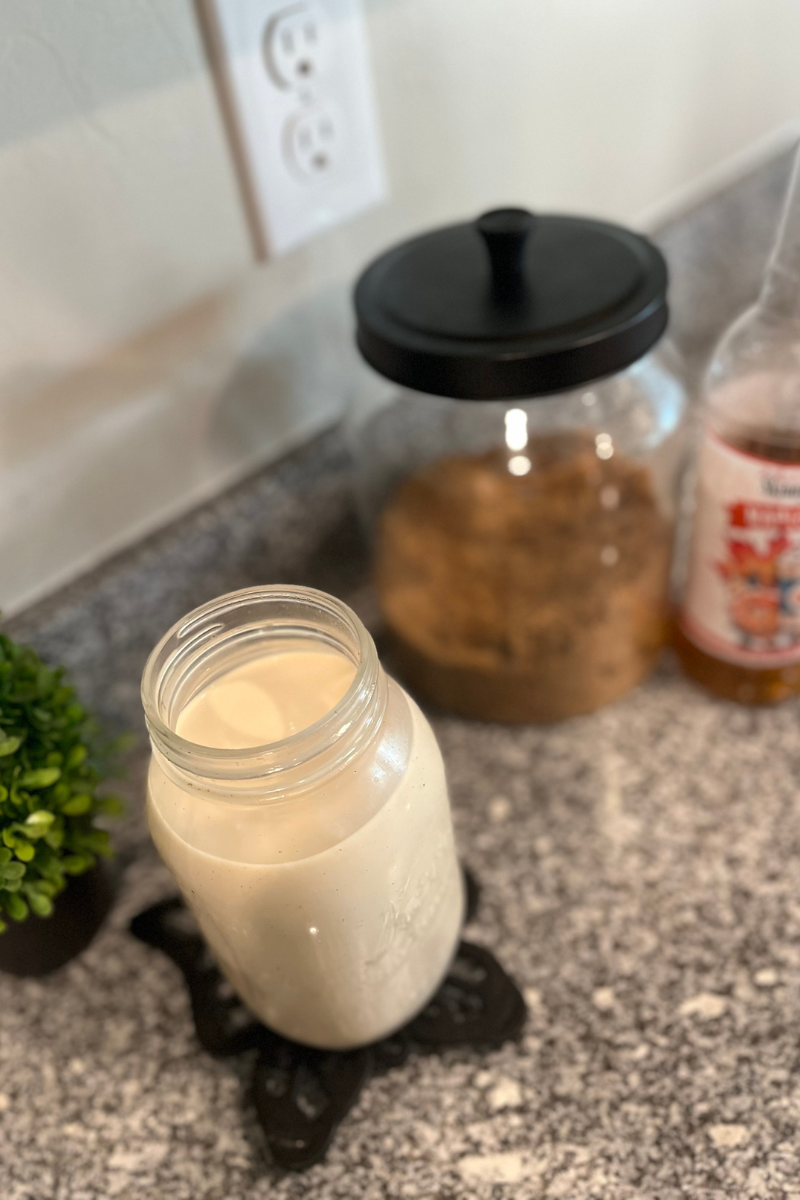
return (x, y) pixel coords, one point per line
(505, 231)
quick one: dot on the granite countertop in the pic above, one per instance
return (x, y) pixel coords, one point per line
(640, 881)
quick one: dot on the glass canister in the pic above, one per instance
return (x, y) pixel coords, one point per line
(298, 796)
(519, 444)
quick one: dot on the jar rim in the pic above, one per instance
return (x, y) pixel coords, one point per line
(198, 633)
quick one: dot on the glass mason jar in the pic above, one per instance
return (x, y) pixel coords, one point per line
(521, 495)
(321, 867)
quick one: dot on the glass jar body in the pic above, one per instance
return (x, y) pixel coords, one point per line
(522, 548)
(739, 633)
(327, 886)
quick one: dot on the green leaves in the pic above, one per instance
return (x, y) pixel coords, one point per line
(16, 907)
(11, 876)
(42, 905)
(113, 806)
(50, 771)
(76, 756)
(12, 871)
(41, 820)
(78, 805)
(92, 841)
(76, 864)
(45, 777)
(55, 837)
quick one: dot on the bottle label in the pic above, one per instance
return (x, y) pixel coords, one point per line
(742, 599)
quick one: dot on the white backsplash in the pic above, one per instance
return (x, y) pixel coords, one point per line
(145, 363)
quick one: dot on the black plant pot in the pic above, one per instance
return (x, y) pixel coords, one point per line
(40, 945)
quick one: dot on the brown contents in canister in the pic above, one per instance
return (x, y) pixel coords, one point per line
(526, 597)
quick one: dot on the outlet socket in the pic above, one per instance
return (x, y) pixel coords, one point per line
(295, 44)
(312, 141)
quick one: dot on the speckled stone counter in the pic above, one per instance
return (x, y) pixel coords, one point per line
(641, 882)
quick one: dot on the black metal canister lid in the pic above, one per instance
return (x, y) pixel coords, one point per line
(511, 305)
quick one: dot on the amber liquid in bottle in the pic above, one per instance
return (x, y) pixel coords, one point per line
(747, 685)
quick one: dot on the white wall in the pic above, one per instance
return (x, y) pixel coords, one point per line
(144, 360)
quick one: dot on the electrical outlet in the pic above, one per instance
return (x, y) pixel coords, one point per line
(295, 44)
(312, 141)
(296, 88)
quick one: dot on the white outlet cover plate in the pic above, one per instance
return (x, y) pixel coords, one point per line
(296, 83)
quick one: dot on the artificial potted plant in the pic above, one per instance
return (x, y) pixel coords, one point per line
(54, 889)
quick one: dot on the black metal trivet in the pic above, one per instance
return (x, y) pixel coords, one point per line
(301, 1094)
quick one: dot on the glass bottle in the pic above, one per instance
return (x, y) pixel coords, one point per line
(739, 628)
(321, 867)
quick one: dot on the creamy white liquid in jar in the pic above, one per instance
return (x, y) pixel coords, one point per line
(298, 796)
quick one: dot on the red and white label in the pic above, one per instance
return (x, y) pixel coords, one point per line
(742, 600)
